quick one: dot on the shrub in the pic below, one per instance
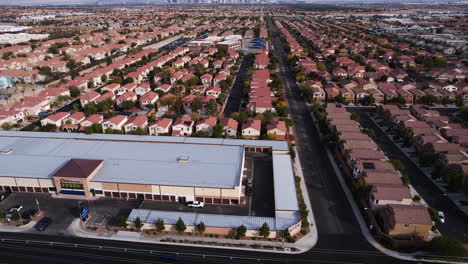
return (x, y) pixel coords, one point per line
(159, 225)
(180, 225)
(447, 246)
(241, 231)
(138, 224)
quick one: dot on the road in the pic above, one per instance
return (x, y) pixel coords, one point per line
(233, 103)
(337, 227)
(455, 224)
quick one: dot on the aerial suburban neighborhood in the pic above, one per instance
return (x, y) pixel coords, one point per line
(233, 131)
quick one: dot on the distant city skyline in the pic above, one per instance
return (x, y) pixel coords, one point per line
(142, 2)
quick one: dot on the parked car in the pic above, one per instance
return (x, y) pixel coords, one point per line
(250, 182)
(11, 210)
(42, 224)
(441, 216)
(196, 204)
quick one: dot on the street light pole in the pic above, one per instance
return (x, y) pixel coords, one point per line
(38, 207)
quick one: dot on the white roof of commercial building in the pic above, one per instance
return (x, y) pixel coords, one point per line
(284, 184)
(276, 145)
(215, 220)
(125, 160)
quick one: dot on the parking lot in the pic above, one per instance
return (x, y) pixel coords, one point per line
(263, 200)
(60, 211)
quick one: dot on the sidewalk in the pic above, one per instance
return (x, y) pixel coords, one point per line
(310, 240)
(76, 229)
(17, 229)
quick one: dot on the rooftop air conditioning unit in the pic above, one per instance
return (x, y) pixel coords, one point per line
(6, 151)
(183, 159)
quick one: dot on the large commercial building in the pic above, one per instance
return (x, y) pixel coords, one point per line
(125, 166)
(169, 169)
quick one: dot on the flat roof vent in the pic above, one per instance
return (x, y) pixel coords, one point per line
(6, 151)
(183, 159)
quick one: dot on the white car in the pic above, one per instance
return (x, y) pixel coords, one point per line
(196, 204)
(441, 216)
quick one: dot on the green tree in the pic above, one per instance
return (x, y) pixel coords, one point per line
(428, 99)
(241, 231)
(140, 131)
(126, 105)
(218, 130)
(426, 158)
(74, 91)
(196, 104)
(180, 225)
(138, 224)
(2, 213)
(122, 222)
(340, 99)
(447, 246)
(355, 117)
(15, 216)
(212, 107)
(397, 164)
(455, 177)
(201, 227)
(369, 100)
(90, 109)
(159, 225)
(463, 113)
(264, 230)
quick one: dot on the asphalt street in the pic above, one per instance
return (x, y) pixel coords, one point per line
(233, 103)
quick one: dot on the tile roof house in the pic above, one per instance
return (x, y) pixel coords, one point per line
(55, 119)
(277, 129)
(128, 96)
(114, 123)
(183, 126)
(404, 221)
(390, 194)
(251, 129)
(164, 88)
(139, 121)
(230, 126)
(148, 98)
(206, 124)
(92, 119)
(214, 91)
(162, 126)
(88, 98)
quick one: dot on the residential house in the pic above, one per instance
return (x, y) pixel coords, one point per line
(114, 123)
(55, 119)
(230, 127)
(162, 126)
(251, 129)
(277, 129)
(135, 123)
(183, 126)
(206, 125)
